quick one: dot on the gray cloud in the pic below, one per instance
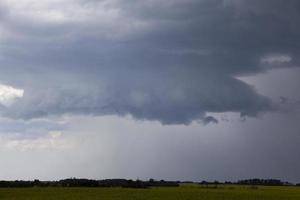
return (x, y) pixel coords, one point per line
(172, 61)
(21, 129)
(210, 119)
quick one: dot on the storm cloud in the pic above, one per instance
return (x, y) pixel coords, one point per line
(171, 61)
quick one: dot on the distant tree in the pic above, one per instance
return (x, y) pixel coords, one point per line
(271, 182)
(204, 182)
(151, 180)
(36, 182)
(216, 182)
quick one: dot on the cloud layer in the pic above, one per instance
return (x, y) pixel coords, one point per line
(171, 61)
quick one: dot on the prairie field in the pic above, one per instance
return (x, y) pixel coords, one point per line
(184, 192)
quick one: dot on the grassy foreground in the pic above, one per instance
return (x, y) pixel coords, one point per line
(185, 192)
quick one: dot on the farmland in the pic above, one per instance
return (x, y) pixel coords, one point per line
(184, 192)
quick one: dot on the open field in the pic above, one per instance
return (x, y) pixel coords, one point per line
(184, 192)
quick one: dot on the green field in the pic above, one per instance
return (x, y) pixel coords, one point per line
(185, 192)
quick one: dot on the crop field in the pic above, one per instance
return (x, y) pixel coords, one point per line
(184, 192)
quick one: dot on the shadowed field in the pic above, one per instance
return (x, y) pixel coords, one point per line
(184, 192)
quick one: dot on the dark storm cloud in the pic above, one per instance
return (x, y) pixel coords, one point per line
(210, 119)
(171, 61)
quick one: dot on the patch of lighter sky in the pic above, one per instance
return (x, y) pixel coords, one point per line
(277, 83)
(9, 94)
(276, 59)
(105, 19)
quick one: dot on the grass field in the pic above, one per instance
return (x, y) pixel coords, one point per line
(184, 192)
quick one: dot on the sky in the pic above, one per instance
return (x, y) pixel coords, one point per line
(175, 89)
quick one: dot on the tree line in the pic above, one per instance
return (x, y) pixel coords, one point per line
(271, 182)
(75, 182)
(255, 181)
